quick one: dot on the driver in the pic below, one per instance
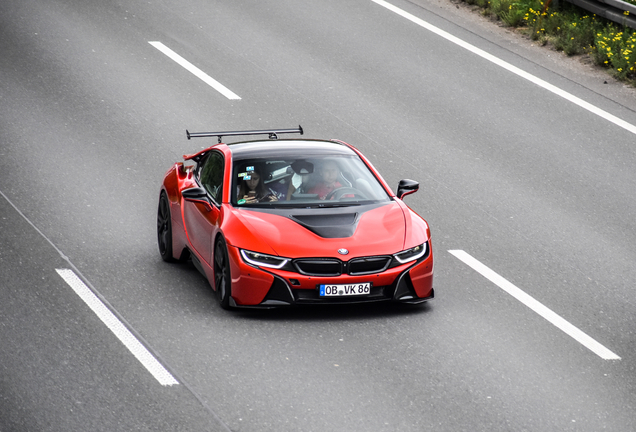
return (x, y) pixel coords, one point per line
(329, 173)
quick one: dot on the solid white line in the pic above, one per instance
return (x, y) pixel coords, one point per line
(123, 334)
(523, 74)
(195, 71)
(533, 304)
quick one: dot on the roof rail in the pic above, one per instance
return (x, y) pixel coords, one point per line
(273, 133)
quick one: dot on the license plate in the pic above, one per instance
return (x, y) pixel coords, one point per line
(345, 290)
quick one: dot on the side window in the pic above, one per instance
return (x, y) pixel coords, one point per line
(211, 175)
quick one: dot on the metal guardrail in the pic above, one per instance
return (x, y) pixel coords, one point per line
(613, 10)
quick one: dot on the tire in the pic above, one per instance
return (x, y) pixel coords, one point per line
(164, 229)
(222, 276)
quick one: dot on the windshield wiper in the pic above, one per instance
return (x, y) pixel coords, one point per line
(336, 205)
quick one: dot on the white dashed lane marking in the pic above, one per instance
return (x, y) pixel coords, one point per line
(536, 306)
(115, 325)
(499, 62)
(195, 70)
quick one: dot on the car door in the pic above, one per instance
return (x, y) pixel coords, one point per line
(202, 215)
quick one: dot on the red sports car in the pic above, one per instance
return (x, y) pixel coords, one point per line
(277, 222)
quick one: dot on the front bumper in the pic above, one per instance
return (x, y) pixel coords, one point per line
(259, 288)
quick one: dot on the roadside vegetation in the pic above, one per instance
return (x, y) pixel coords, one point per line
(570, 29)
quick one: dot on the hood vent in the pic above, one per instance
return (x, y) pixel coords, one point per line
(338, 225)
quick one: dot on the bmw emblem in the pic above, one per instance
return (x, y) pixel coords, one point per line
(343, 251)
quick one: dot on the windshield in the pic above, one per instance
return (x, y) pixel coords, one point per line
(328, 181)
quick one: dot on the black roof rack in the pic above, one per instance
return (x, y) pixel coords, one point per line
(273, 133)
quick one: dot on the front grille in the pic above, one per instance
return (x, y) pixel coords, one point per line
(360, 266)
(335, 267)
(319, 267)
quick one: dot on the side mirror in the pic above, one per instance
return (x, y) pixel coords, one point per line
(406, 187)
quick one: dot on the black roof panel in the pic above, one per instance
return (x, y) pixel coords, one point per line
(288, 148)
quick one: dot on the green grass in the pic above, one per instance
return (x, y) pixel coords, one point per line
(570, 29)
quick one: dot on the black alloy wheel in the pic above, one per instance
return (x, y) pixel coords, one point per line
(222, 277)
(164, 229)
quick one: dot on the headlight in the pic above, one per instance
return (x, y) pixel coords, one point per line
(263, 260)
(411, 254)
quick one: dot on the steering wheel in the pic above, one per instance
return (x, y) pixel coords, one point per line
(338, 193)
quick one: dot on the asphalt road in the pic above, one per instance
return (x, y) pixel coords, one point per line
(523, 178)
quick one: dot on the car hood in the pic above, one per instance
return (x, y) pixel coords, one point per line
(363, 231)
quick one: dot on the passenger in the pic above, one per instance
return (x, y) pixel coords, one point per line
(252, 189)
(329, 173)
